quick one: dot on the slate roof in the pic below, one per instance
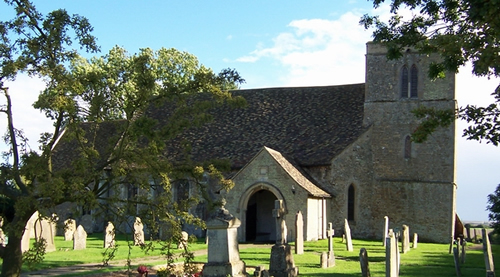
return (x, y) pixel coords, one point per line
(311, 125)
(296, 174)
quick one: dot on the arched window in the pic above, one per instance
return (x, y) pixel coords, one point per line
(350, 203)
(407, 147)
(409, 82)
(414, 81)
(404, 82)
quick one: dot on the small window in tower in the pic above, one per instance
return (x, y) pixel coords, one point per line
(405, 82)
(407, 147)
(350, 203)
(414, 82)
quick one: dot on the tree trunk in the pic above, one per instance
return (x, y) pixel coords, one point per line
(13, 258)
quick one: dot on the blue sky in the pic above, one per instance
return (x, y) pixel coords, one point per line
(271, 43)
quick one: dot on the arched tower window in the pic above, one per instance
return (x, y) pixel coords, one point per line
(350, 203)
(407, 147)
(404, 82)
(409, 82)
(414, 81)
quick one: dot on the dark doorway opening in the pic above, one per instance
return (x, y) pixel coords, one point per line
(260, 224)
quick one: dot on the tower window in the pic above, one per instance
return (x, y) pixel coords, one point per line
(407, 149)
(350, 203)
(409, 82)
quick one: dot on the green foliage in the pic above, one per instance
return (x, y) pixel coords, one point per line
(459, 32)
(494, 209)
(101, 105)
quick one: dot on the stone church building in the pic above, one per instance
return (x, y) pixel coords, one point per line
(339, 152)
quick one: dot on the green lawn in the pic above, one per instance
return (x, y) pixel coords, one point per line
(427, 260)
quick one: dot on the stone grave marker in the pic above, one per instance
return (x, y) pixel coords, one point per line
(363, 261)
(44, 230)
(79, 238)
(138, 232)
(109, 235)
(88, 223)
(452, 241)
(462, 256)
(488, 256)
(2, 234)
(183, 242)
(281, 263)
(391, 258)
(456, 260)
(69, 229)
(223, 252)
(323, 260)
(415, 240)
(386, 229)
(405, 239)
(331, 255)
(347, 232)
(299, 233)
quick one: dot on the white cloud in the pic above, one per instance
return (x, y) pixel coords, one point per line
(24, 92)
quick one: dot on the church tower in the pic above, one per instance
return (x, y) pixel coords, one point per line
(416, 180)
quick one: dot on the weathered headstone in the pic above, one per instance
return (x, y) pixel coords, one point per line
(386, 229)
(462, 256)
(456, 260)
(109, 236)
(323, 260)
(260, 271)
(415, 240)
(2, 234)
(45, 230)
(223, 253)
(138, 232)
(299, 233)
(348, 239)
(79, 238)
(452, 241)
(363, 261)
(69, 228)
(183, 242)
(488, 256)
(391, 252)
(405, 239)
(281, 263)
(331, 255)
(88, 223)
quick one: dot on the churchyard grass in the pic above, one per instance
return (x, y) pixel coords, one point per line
(427, 260)
(66, 256)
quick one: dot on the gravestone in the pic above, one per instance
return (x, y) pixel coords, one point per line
(260, 271)
(363, 261)
(29, 232)
(88, 223)
(348, 239)
(415, 240)
(452, 241)
(331, 255)
(299, 233)
(281, 263)
(323, 260)
(2, 234)
(223, 252)
(456, 261)
(79, 238)
(391, 258)
(69, 229)
(109, 235)
(488, 256)
(44, 229)
(386, 229)
(462, 256)
(183, 242)
(405, 239)
(138, 232)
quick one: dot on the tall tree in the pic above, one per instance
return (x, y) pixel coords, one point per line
(460, 31)
(101, 106)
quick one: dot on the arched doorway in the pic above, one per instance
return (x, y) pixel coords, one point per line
(260, 224)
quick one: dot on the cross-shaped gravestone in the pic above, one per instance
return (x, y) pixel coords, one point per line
(279, 214)
(329, 233)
